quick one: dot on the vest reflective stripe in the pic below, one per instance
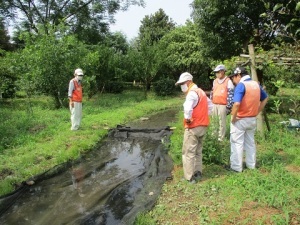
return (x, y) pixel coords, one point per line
(77, 92)
(251, 100)
(220, 92)
(200, 112)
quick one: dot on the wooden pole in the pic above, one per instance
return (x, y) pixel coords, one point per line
(259, 117)
(253, 64)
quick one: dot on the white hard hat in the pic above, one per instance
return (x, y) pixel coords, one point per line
(184, 77)
(78, 72)
(219, 67)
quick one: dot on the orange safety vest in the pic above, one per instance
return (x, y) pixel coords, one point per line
(220, 92)
(251, 100)
(200, 112)
(77, 92)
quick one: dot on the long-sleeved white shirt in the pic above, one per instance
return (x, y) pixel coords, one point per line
(191, 101)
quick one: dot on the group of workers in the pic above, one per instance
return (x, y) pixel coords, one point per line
(236, 94)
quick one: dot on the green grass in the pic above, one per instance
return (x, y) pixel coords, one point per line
(38, 138)
(35, 139)
(266, 195)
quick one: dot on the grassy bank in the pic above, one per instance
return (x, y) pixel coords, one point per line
(35, 138)
(269, 194)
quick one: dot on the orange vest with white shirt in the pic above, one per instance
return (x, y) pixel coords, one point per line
(200, 112)
(251, 100)
(77, 92)
(220, 92)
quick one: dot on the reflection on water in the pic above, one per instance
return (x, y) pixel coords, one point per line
(83, 191)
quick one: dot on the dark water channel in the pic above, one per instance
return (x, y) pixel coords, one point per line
(109, 185)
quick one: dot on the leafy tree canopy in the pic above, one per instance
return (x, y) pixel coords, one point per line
(83, 17)
(4, 37)
(227, 27)
(283, 20)
(144, 52)
(154, 27)
(181, 50)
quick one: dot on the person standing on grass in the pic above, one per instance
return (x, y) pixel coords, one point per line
(196, 120)
(75, 99)
(249, 99)
(221, 96)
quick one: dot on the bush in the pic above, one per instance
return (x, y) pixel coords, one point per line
(284, 105)
(8, 79)
(164, 87)
(271, 88)
(115, 87)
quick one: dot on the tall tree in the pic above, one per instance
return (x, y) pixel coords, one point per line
(227, 27)
(154, 27)
(4, 37)
(78, 15)
(47, 64)
(283, 19)
(182, 50)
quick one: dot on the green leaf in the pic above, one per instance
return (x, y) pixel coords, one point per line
(263, 15)
(277, 6)
(298, 6)
(294, 20)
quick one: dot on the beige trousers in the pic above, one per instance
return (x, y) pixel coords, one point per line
(76, 115)
(219, 120)
(192, 151)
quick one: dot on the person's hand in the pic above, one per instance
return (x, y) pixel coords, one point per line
(188, 121)
(72, 104)
(234, 119)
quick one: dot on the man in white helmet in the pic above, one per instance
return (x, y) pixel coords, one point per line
(75, 99)
(196, 120)
(221, 96)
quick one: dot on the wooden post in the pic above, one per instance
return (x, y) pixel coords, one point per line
(259, 117)
(252, 65)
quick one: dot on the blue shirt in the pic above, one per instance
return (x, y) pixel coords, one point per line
(240, 89)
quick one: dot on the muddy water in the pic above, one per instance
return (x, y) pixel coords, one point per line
(109, 185)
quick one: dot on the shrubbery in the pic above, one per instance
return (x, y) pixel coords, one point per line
(114, 87)
(164, 87)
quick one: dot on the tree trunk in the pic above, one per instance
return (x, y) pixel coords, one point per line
(57, 102)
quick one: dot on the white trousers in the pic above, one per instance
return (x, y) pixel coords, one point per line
(242, 138)
(219, 120)
(76, 115)
(192, 151)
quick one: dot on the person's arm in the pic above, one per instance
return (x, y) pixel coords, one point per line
(229, 100)
(211, 95)
(262, 104)
(70, 93)
(263, 99)
(230, 90)
(234, 111)
(239, 93)
(210, 106)
(188, 105)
